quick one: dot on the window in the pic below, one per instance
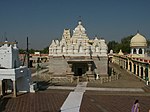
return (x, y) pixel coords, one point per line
(134, 51)
(140, 51)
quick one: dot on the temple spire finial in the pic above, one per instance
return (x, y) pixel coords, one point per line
(79, 21)
(137, 31)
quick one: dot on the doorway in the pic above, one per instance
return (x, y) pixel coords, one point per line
(79, 68)
(7, 86)
(79, 71)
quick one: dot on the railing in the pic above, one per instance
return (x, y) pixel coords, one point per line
(109, 78)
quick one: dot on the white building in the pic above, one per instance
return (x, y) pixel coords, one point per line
(13, 77)
(138, 46)
(137, 62)
(76, 55)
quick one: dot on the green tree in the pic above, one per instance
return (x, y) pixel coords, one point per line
(118, 47)
(112, 45)
(125, 44)
(21, 51)
(31, 51)
(148, 46)
(45, 50)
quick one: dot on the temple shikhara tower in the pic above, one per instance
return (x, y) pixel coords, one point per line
(77, 55)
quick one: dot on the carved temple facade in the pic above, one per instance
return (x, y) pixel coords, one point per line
(77, 55)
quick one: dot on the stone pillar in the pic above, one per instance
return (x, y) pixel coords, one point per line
(149, 73)
(139, 70)
(89, 72)
(143, 51)
(128, 65)
(137, 51)
(14, 88)
(132, 67)
(124, 63)
(70, 68)
(1, 90)
(70, 73)
(89, 65)
(144, 72)
(132, 51)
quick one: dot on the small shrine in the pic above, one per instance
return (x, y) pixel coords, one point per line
(13, 77)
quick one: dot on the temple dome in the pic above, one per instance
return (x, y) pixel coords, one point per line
(138, 41)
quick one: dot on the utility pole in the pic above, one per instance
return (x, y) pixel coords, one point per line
(28, 55)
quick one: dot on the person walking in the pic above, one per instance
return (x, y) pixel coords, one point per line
(136, 106)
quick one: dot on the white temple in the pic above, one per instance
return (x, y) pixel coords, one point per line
(13, 77)
(78, 44)
(77, 54)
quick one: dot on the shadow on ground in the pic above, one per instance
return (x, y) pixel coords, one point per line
(43, 85)
(3, 103)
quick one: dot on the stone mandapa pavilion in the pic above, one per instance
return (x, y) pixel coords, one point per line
(77, 55)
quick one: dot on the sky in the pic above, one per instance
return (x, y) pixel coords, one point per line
(44, 20)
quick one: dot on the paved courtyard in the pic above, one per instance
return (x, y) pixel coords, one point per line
(95, 99)
(95, 102)
(43, 101)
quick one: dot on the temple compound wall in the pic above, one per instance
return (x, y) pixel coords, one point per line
(77, 55)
